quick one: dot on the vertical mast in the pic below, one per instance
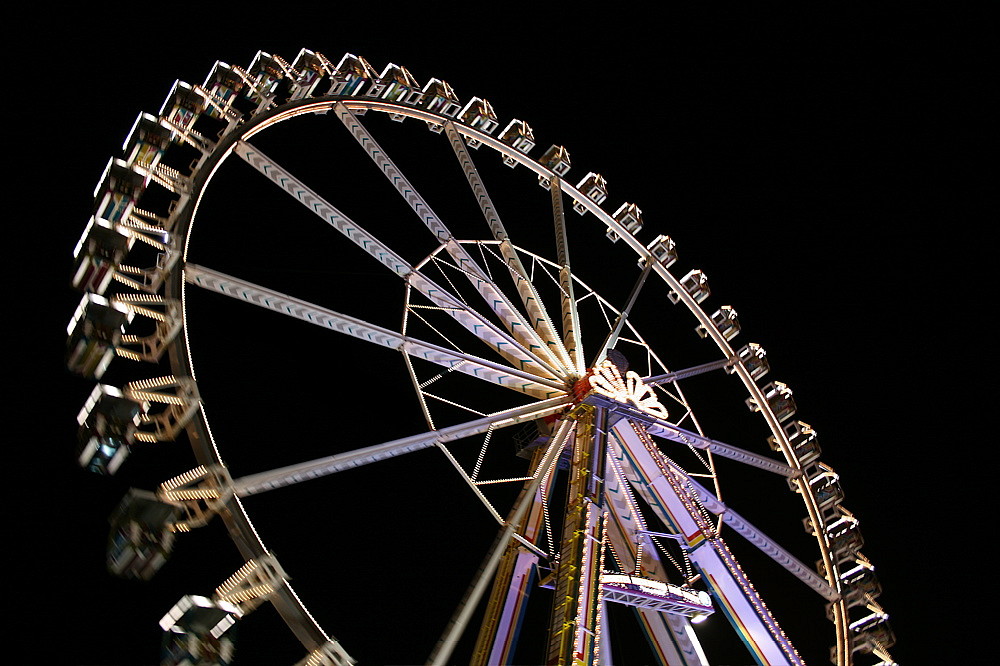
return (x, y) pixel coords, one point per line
(575, 624)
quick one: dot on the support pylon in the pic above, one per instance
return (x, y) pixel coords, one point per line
(574, 630)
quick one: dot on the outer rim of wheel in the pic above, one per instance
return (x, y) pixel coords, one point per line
(238, 522)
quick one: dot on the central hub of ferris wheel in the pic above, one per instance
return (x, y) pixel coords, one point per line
(611, 378)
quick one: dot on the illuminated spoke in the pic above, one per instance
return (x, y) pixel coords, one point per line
(670, 377)
(286, 476)
(489, 371)
(612, 339)
(570, 315)
(674, 433)
(766, 544)
(659, 427)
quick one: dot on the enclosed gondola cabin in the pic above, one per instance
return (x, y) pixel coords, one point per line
(147, 142)
(141, 536)
(108, 422)
(198, 631)
(94, 333)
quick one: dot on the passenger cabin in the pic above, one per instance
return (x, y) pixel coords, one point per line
(847, 542)
(94, 333)
(439, 97)
(270, 77)
(825, 485)
(517, 135)
(842, 533)
(803, 440)
(195, 632)
(182, 107)
(187, 649)
(867, 622)
(695, 283)
(352, 73)
(556, 160)
(873, 636)
(664, 251)
(863, 585)
(108, 422)
(223, 86)
(118, 190)
(147, 142)
(478, 113)
(865, 614)
(779, 398)
(849, 571)
(845, 550)
(396, 84)
(104, 246)
(753, 358)
(141, 535)
(629, 216)
(594, 187)
(725, 322)
(101, 454)
(310, 68)
(841, 521)
(98, 254)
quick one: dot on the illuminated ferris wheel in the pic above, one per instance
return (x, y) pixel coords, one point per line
(532, 332)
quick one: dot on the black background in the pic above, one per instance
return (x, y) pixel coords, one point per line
(812, 163)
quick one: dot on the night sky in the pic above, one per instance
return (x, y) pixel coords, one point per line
(801, 161)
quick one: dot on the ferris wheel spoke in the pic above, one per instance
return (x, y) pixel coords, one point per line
(570, 315)
(676, 434)
(542, 323)
(677, 375)
(392, 172)
(662, 428)
(613, 335)
(508, 347)
(766, 544)
(480, 368)
(258, 483)
(514, 321)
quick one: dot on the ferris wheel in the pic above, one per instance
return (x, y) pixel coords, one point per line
(598, 410)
